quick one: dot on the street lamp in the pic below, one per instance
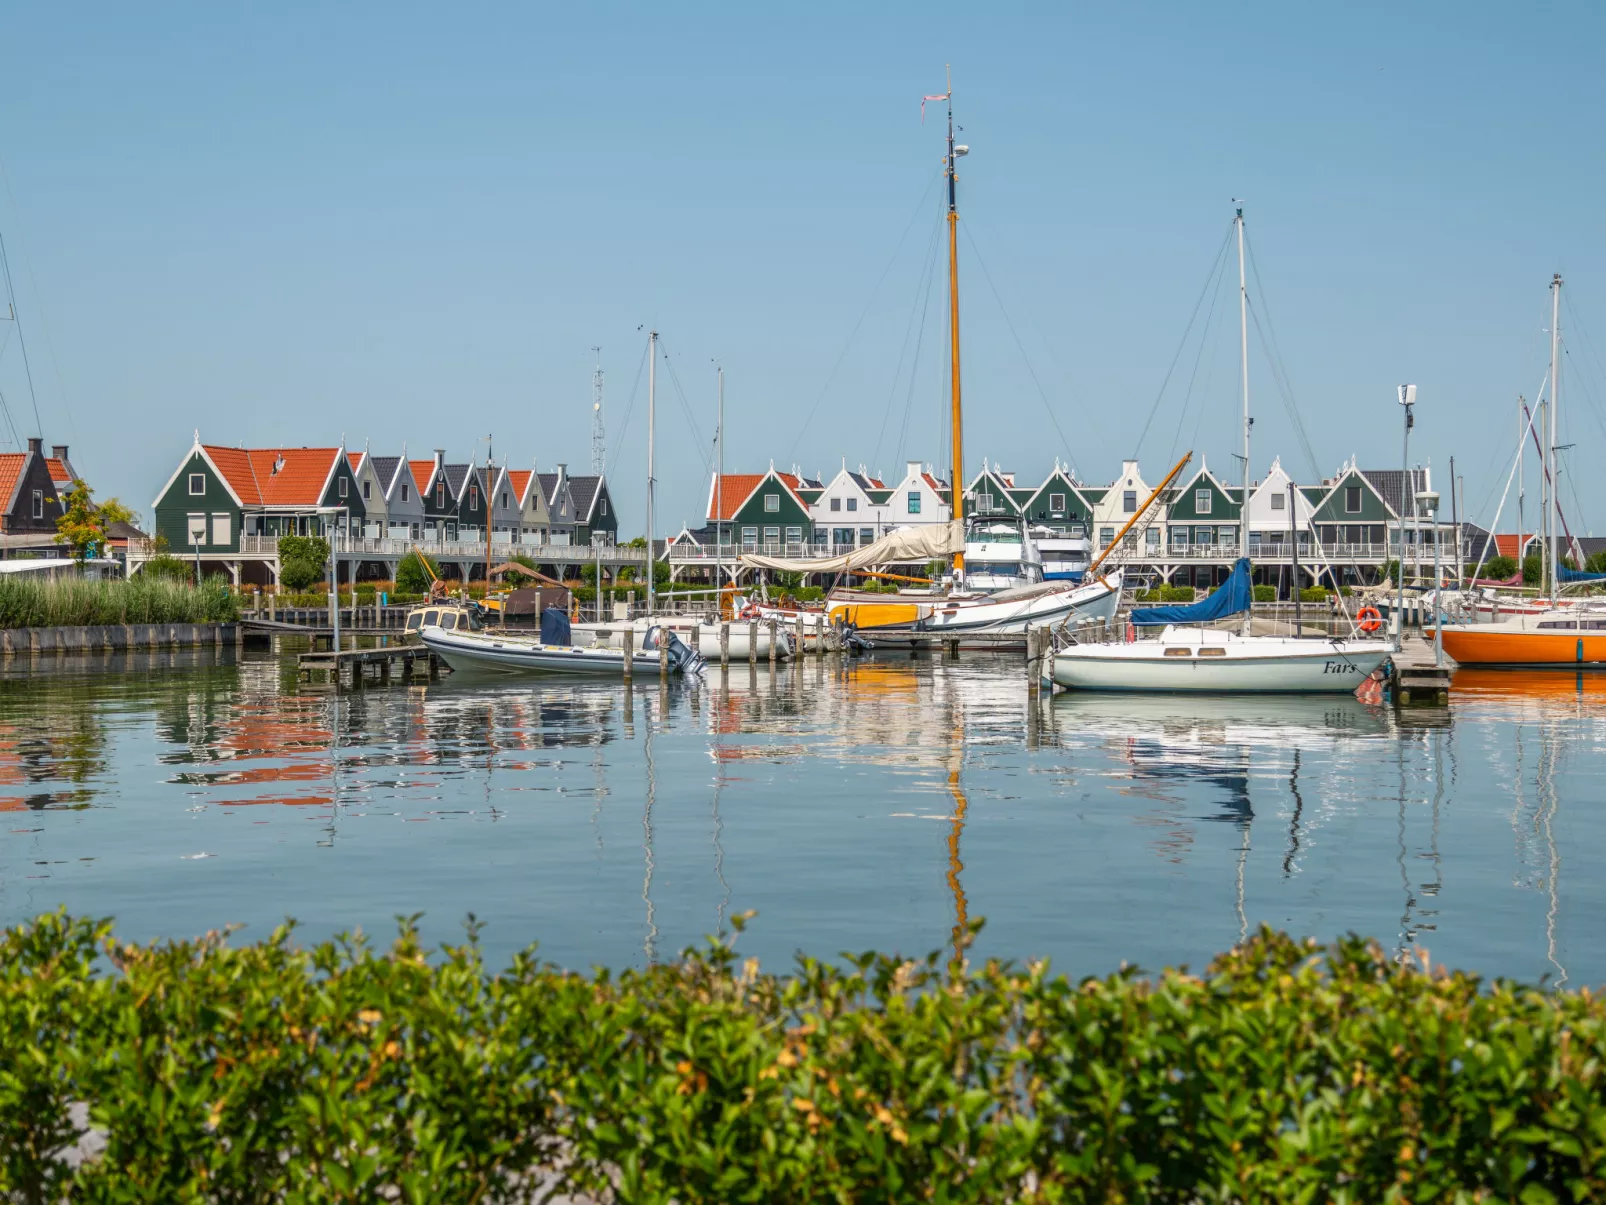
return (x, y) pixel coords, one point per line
(1430, 504)
(1407, 400)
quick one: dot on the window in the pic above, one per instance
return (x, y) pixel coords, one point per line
(1056, 504)
(1279, 501)
(367, 491)
(602, 508)
(504, 501)
(473, 497)
(440, 493)
(1129, 501)
(842, 537)
(38, 504)
(1352, 500)
(794, 535)
(1106, 536)
(222, 529)
(415, 531)
(1203, 535)
(866, 535)
(1131, 542)
(1179, 537)
(853, 504)
(984, 504)
(405, 491)
(772, 535)
(836, 504)
(1152, 539)
(772, 503)
(196, 529)
(749, 536)
(1201, 502)
(914, 502)
(1226, 535)
(342, 487)
(197, 484)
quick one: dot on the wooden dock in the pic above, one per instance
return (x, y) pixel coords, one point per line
(1416, 679)
(354, 669)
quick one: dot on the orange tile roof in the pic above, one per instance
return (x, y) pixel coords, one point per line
(1507, 545)
(739, 485)
(421, 470)
(58, 471)
(10, 469)
(521, 482)
(275, 476)
(355, 459)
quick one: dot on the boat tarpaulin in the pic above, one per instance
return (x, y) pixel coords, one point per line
(555, 627)
(1570, 575)
(1234, 595)
(935, 541)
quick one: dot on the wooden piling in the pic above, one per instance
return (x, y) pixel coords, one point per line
(1034, 657)
(774, 633)
(724, 646)
(752, 642)
(629, 637)
(663, 653)
(798, 651)
(697, 638)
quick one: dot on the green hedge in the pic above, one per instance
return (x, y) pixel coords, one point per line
(79, 601)
(1286, 1072)
(1167, 594)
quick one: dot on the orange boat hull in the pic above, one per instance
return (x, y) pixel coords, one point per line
(1469, 646)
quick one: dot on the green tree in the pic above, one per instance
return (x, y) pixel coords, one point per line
(1596, 562)
(302, 560)
(414, 573)
(1499, 568)
(1530, 570)
(83, 528)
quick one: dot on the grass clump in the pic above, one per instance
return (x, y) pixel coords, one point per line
(79, 601)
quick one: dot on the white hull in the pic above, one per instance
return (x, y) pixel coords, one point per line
(1092, 601)
(1233, 664)
(522, 654)
(611, 635)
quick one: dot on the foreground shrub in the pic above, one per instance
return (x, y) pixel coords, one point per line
(1286, 1072)
(77, 601)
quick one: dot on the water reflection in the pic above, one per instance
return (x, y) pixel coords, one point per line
(882, 801)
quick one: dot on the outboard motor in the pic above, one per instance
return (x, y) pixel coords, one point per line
(555, 627)
(683, 659)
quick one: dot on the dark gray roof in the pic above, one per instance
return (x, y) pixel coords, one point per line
(455, 475)
(549, 487)
(865, 483)
(385, 469)
(584, 491)
(1390, 485)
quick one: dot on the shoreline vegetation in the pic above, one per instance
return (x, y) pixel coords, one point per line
(1285, 1071)
(87, 602)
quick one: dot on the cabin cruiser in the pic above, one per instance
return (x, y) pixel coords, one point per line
(1065, 549)
(1000, 556)
(453, 632)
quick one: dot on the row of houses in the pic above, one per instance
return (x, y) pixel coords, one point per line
(1348, 524)
(227, 508)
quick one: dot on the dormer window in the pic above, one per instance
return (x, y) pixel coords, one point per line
(772, 502)
(278, 464)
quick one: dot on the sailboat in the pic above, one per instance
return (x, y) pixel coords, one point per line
(1570, 635)
(966, 608)
(1190, 657)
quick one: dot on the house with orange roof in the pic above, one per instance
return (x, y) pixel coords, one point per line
(33, 490)
(761, 511)
(226, 507)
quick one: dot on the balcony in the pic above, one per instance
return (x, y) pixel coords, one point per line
(800, 551)
(465, 550)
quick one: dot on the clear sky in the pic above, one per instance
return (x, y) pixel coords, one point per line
(296, 223)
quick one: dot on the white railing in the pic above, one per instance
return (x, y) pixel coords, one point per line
(802, 551)
(570, 554)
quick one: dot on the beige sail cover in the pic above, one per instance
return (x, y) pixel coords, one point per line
(931, 542)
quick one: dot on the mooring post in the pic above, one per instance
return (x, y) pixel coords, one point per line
(774, 643)
(724, 646)
(663, 652)
(752, 642)
(1032, 656)
(629, 637)
(697, 638)
(798, 651)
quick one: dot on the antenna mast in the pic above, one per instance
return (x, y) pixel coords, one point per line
(598, 441)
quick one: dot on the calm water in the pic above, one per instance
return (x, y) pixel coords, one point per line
(871, 803)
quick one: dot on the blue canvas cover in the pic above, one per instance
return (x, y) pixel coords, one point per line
(1569, 575)
(1235, 595)
(555, 627)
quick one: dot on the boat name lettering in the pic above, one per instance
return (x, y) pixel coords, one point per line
(1339, 667)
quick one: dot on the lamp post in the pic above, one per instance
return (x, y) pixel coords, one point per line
(1430, 504)
(1407, 400)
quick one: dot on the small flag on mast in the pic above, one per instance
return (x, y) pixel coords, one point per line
(923, 101)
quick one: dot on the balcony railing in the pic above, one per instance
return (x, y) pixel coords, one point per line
(799, 551)
(572, 554)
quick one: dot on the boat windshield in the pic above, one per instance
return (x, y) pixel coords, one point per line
(995, 535)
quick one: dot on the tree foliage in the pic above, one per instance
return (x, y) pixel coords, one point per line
(412, 576)
(302, 560)
(84, 526)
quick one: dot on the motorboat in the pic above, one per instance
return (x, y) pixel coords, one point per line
(703, 629)
(1564, 636)
(1065, 549)
(1000, 556)
(1188, 656)
(454, 633)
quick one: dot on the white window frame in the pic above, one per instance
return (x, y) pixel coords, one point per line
(794, 535)
(39, 504)
(195, 524)
(836, 504)
(367, 490)
(1360, 502)
(1201, 501)
(197, 479)
(1279, 501)
(405, 492)
(772, 504)
(1129, 502)
(853, 504)
(984, 504)
(1056, 504)
(1106, 536)
(912, 504)
(342, 487)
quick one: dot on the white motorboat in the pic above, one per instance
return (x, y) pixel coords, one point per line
(1000, 556)
(1065, 549)
(454, 634)
(703, 628)
(1196, 659)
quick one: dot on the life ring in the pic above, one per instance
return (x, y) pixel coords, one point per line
(750, 611)
(1369, 619)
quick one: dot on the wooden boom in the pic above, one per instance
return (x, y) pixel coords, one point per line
(1143, 510)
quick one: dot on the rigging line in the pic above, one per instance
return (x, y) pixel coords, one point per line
(1287, 398)
(39, 309)
(914, 363)
(843, 354)
(1215, 267)
(630, 403)
(1577, 324)
(22, 343)
(1032, 372)
(1210, 371)
(921, 287)
(685, 406)
(5, 412)
(1581, 381)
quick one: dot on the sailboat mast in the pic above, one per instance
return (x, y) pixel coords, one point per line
(957, 488)
(1243, 351)
(719, 499)
(1554, 508)
(652, 411)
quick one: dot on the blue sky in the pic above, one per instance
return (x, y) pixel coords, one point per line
(294, 223)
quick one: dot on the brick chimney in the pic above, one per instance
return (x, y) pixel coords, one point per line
(37, 445)
(58, 451)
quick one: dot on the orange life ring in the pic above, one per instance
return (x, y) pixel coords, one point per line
(750, 611)
(1369, 619)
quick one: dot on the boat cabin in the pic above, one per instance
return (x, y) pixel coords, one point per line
(444, 615)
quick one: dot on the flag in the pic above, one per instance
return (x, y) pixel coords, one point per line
(923, 101)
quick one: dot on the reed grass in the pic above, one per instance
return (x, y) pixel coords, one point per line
(76, 602)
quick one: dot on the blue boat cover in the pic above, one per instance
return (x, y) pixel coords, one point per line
(1234, 595)
(555, 627)
(1578, 575)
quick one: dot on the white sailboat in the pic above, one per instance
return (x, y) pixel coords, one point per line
(1192, 658)
(453, 632)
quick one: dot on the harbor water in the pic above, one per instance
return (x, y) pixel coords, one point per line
(881, 802)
